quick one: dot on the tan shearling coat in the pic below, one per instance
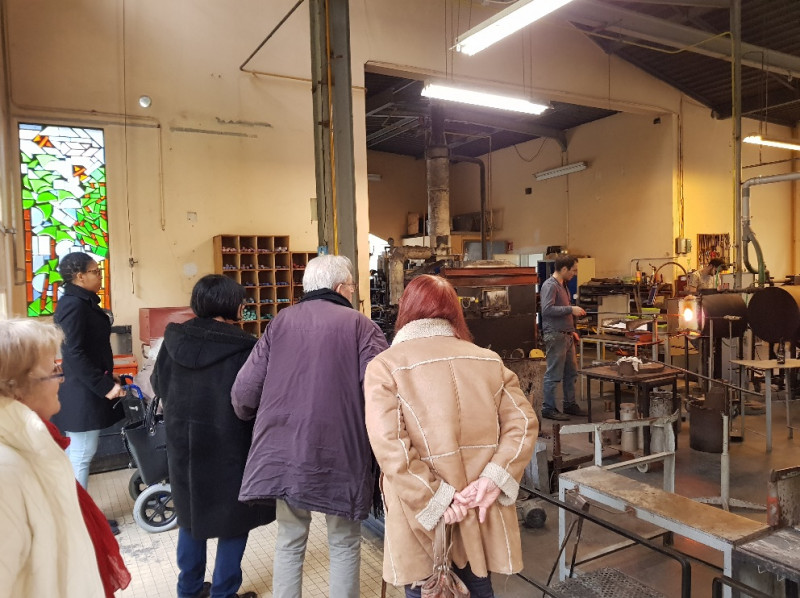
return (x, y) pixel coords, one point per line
(440, 413)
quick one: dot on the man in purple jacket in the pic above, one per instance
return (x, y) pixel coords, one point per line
(310, 452)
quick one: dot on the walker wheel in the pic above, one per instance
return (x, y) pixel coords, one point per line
(154, 510)
(136, 484)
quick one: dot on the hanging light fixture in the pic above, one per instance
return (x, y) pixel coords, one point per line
(560, 171)
(759, 140)
(504, 23)
(451, 93)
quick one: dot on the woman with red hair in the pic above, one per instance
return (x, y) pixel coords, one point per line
(452, 433)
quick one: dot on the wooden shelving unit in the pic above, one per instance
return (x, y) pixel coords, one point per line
(269, 272)
(299, 261)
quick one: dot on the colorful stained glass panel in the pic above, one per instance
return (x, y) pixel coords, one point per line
(64, 207)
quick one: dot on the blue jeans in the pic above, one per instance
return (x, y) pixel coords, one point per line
(81, 449)
(561, 367)
(227, 577)
(479, 587)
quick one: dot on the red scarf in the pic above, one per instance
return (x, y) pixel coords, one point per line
(112, 568)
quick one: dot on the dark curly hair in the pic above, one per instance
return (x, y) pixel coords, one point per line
(72, 264)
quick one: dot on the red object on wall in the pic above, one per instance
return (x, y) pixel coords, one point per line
(153, 320)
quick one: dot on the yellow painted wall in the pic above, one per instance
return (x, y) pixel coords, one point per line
(402, 189)
(237, 149)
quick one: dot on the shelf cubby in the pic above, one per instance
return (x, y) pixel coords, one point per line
(270, 272)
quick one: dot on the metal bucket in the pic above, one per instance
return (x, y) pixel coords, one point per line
(660, 405)
(627, 412)
(705, 428)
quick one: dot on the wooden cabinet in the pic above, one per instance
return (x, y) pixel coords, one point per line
(269, 272)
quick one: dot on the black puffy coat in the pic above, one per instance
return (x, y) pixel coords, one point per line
(207, 444)
(88, 363)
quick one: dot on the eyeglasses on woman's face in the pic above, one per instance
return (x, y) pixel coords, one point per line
(95, 271)
(58, 374)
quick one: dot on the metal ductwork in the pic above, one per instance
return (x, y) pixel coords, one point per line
(774, 313)
(482, 168)
(437, 160)
(748, 236)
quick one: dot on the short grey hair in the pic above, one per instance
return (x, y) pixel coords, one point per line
(327, 272)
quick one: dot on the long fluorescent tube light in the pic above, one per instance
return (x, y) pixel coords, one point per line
(504, 23)
(560, 171)
(480, 98)
(759, 140)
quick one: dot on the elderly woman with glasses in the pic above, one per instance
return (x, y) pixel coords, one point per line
(49, 524)
(89, 393)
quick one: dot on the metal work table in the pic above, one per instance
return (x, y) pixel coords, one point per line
(776, 552)
(766, 366)
(601, 340)
(642, 382)
(702, 523)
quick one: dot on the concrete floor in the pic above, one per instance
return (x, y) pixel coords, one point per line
(151, 557)
(697, 475)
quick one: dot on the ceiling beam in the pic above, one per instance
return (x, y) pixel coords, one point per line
(380, 101)
(604, 17)
(494, 119)
(754, 107)
(393, 130)
(517, 123)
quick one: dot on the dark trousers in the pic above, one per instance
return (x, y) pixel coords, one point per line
(227, 577)
(479, 587)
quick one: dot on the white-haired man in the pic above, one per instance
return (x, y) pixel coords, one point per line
(303, 384)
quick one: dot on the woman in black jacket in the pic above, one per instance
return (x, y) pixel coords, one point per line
(89, 393)
(207, 444)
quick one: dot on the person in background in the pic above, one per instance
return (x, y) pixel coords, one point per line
(207, 444)
(706, 277)
(560, 337)
(90, 391)
(451, 431)
(310, 451)
(48, 522)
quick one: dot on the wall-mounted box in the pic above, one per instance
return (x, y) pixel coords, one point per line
(153, 320)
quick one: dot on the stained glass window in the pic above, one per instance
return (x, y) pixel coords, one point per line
(64, 207)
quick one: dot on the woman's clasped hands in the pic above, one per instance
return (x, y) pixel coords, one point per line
(479, 494)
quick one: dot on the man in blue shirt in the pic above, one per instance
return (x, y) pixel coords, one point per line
(558, 327)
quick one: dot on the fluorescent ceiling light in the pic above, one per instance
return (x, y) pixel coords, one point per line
(759, 140)
(480, 98)
(560, 171)
(504, 23)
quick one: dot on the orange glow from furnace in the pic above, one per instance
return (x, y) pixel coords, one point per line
(688, 314)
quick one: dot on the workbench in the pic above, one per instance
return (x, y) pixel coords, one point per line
(766, 366)
(601, 340)
(707, 525)
(778, 553)
(643, 383)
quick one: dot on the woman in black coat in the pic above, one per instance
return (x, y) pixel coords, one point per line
(89, 393)
(207, 444)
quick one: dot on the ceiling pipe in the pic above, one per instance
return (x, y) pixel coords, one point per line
(748, 236)
(482, 167)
